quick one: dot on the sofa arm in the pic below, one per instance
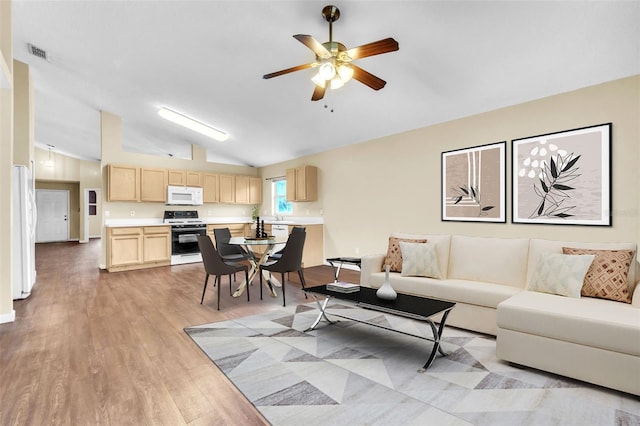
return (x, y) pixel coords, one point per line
(370, 263)
(635, 299)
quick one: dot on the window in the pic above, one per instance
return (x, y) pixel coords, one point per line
(280, 204)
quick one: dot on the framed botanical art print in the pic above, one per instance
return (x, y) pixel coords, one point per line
(474, 184)
(563, 178)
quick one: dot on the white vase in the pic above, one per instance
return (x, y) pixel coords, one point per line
(386, 291)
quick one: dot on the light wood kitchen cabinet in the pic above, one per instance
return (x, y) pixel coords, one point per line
(124, 248)
(302, 184)
(248, 190)
(242, 189)
(194, 179)
(313, 253)
(123, 183)
(227, 189)
(210, 188)
(236, 229)
(255, 190)
(153, 185)
(157, 244)
(177, 177)
(138, 247)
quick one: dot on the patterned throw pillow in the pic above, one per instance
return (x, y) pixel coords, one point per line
(394, 255)
(419, 260)
(607, 276)
(560, 274)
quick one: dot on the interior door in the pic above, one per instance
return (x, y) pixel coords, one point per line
(53, 215)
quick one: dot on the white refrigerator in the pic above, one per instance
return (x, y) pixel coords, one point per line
(24, 232)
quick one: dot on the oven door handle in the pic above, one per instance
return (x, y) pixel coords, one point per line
(198, 230)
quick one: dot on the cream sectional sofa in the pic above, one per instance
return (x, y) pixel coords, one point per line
(590, 339)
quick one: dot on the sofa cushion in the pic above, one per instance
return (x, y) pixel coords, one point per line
(490, 260)
(442, 242)
(394, 255)
(607, 275)
(593, 322)
(538, 246)
(470, 292)
(419, 260)
(560, 274)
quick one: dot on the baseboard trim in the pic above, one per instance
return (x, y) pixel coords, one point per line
(8, 317)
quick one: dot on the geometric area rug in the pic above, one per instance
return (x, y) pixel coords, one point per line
(355, 374)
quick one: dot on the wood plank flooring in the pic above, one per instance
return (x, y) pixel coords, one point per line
(90, 347)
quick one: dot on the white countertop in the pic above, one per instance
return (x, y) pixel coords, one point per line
(269, 220)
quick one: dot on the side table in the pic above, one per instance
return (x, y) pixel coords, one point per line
(340, 261)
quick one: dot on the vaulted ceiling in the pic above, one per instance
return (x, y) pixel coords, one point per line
(207, 58)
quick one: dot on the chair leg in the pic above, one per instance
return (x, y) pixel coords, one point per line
(260, 273)
(246, 278)
(284, 300)
(234, 278)
(219, 279)
(304, 284)
(205, 288)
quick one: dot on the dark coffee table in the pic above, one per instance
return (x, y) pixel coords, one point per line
(418, 308)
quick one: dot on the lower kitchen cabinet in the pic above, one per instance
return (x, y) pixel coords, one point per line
(313, 253)
(138, 247)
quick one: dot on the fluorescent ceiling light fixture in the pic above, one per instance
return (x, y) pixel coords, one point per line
(192, 124)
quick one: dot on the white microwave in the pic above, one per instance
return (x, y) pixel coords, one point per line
(184, 195)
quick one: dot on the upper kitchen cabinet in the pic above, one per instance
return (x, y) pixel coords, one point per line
(185, 178)
(194, 179)
(302, 183)
(153, 185)
(255, 190)
(177, 178)
(123, 183)
(210, 188)
(227, 189)
(248, 190)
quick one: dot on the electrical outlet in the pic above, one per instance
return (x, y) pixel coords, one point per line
(357, 250)
(210, 213)
(321, 212)
(132, 213)
(107, 213)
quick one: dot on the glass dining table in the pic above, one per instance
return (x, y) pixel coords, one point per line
(257, 258)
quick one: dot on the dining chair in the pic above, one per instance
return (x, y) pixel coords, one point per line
(230, 253)
(214, 265)
(291, 261)
(277, 255)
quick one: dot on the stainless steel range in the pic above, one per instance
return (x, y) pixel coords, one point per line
(185, 228)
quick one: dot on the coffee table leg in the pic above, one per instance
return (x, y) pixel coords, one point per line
(437, 334)
(321, 306)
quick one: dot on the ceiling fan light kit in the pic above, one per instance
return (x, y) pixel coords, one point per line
(192, 124)
(333, 59)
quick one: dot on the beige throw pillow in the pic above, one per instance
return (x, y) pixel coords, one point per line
(419, 260)
(607, 275)
(394, 254)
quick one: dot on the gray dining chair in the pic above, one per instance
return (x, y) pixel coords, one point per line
(291, 261)
(214, 265)
(277, 255)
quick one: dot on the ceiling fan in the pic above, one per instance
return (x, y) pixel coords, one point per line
(334, 60)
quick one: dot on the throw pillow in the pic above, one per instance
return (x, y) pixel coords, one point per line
(419, 260)
(394, 255)
(607, 275)
(560, 274)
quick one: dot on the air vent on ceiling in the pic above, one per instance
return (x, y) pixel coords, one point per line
(36, 51)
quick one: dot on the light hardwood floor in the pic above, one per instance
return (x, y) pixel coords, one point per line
(96, 348)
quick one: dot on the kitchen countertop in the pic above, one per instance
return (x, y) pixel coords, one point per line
(269, 220)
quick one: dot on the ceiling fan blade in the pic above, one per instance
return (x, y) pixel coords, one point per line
(367, 78)
(314, 45)
(375, 48)
(318, 93)
(288, 70)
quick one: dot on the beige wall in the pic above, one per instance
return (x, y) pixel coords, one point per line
(392, 184)
(23, 115)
